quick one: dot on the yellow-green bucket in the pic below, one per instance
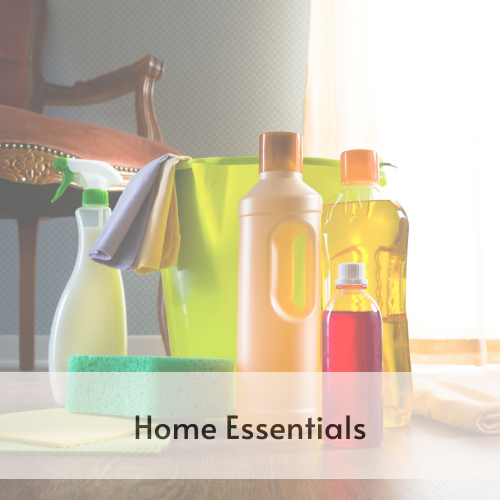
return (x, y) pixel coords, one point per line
(201, 291)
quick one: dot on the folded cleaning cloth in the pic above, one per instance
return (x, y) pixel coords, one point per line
(121, 241)
(457, 404)
(160, 245)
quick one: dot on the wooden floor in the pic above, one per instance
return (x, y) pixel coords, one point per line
(357, 489)
(250, 489)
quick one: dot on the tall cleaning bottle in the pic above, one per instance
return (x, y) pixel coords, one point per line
(91, 316)
(360, 225)
(276, 331)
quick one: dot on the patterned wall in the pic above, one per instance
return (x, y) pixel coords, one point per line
(234, 69)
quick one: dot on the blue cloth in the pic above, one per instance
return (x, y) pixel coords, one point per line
(120, 241)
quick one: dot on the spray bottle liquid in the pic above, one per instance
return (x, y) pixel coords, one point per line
(275, 334)
(91, 316)
(352, 363)
(358, 225)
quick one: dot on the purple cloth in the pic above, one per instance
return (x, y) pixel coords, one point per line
(120, 240)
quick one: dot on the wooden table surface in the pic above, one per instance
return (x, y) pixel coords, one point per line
(145, 489)
(250, 489)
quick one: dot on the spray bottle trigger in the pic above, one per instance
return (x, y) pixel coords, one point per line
(61, 165)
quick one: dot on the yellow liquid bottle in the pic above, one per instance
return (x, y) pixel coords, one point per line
(359, 226)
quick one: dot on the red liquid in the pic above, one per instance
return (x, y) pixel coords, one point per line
(352, 378)
(352, 341)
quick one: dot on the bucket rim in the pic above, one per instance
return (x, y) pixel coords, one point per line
(251, 160)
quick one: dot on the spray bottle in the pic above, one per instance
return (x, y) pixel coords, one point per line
(91, 316)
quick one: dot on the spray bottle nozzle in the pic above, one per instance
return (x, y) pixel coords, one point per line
(95, 177)
(61, 165)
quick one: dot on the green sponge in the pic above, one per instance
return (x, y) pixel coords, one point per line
(87, 363)
(157, 386)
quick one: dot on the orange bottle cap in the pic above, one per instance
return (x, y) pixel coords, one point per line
(280, 151)
(359, 167)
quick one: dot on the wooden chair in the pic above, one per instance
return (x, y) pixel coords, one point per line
(30, 142)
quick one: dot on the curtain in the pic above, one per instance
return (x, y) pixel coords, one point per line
(419, 82)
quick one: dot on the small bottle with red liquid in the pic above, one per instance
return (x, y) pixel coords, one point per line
(352, 363)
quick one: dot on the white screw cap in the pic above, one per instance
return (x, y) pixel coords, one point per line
(351, 274)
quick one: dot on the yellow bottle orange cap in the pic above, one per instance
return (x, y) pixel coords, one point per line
(359, 167)
(280, 151)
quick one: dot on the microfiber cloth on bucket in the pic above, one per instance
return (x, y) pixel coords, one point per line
(160, 245)
(122, 239)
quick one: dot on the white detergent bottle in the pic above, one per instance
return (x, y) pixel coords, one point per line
(91, 317)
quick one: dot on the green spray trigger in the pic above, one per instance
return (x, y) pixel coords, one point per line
(61, 165)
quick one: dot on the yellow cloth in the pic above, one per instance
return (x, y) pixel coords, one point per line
(452, 402)
(160, 246)
(58, 427)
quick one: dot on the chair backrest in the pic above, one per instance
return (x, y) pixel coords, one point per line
(22, 41)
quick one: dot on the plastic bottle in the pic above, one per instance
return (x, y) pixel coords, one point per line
(359, 225)
(91, 316)
(276, 334)
(352, 363)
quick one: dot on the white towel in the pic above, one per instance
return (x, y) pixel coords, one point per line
(458, 404)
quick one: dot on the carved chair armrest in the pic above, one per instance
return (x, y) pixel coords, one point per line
(139, 77)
